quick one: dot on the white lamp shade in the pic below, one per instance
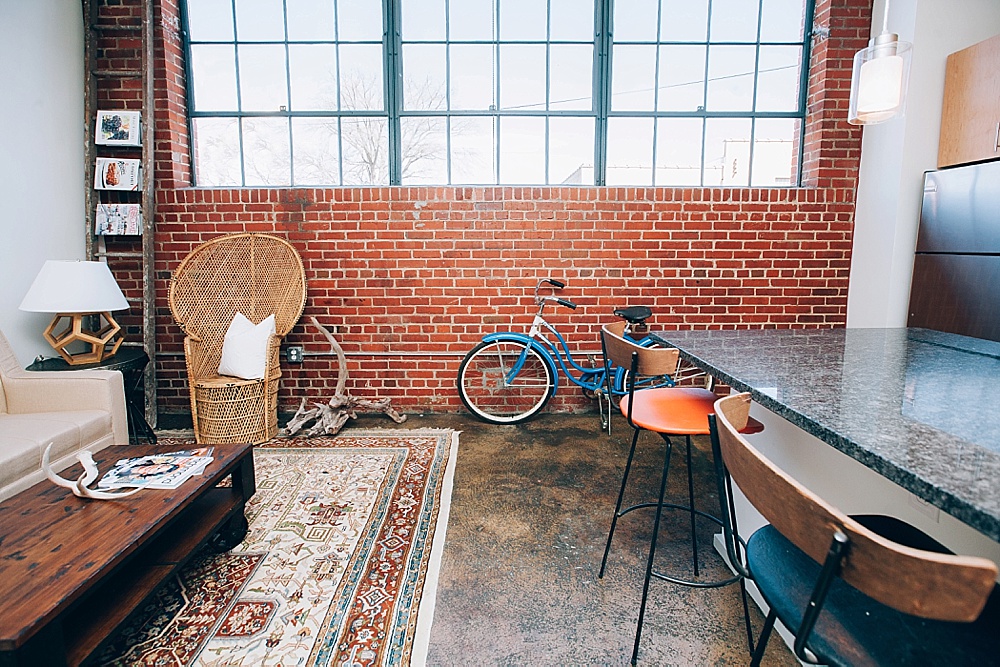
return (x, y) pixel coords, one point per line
(878, 84)
(74, 287)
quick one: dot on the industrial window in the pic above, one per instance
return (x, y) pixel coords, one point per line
(363, 92)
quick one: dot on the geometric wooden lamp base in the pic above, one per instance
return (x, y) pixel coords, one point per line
(99, 341)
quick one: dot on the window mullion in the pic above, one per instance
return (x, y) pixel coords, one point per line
(393, 76)
(807, 23)
(603, 11)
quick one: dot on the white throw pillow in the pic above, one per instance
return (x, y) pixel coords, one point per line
(244, 350)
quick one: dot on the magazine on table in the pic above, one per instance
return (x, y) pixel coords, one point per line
(158, 471)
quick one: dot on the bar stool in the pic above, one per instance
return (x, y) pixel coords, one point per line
(668, 411)
(853, 590)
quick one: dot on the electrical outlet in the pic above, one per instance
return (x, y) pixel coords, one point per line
(295, 353)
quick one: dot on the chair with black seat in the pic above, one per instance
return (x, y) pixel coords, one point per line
(851, 595)
(670, 412)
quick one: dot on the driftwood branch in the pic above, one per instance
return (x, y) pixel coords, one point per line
(328, 418)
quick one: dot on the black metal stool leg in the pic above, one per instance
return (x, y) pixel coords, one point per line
(765, 634)
(618, 504)
(652, 550)
(694, 528)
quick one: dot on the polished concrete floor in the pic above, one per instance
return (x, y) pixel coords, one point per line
(530, 511)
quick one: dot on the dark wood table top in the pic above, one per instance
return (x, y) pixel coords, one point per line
(54, 546)
(917, 406)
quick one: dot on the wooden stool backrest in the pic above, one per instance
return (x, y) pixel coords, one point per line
(652, 360)
(931, 585)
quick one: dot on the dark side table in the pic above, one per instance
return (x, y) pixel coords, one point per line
(131, 361)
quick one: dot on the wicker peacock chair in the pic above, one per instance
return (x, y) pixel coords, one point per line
(254, 274)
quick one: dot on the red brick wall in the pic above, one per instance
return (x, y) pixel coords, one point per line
(413, 277)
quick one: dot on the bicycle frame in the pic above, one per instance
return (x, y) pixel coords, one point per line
(560, 355)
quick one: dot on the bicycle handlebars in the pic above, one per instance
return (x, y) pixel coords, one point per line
(564, 302)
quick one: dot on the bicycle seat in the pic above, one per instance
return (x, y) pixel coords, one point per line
(634, 314)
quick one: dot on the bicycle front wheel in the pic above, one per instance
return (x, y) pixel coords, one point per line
(491, 390)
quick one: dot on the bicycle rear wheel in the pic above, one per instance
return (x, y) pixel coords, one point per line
(490, 392)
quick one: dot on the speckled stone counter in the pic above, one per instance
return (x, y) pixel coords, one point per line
(922, 408)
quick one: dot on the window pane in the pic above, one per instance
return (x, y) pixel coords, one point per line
(216, 151)
(266, 154)
(472, 20)
(424, 82)
(782, 20)
(522, 76)
(472, 76)
(361, 86)
(472, 144)
(684, 21)
(359, 20)
(213, 74)
(682, 78)
(571, 20)
(260, 21)
(263, 83)
(365, 143)
(775, 152)
(317, 155)
(522, 20)
(730, 78)
(313, 70)
(310, 20)
(423, 19)
(630, 151)
(778, 78)
(727, 151)
(425, 150)
(633, 78)
(522, 150)
(734, 21)
(678, 151)
(572, 78)
(636, 20)
(210, 20)
(571, 150)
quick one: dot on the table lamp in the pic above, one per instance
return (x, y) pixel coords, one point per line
(75, 290)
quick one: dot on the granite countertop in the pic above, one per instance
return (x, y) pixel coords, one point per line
(919, 407)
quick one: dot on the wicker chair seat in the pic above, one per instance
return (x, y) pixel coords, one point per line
(254, 274)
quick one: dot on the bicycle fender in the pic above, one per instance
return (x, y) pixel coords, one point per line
(532, 343)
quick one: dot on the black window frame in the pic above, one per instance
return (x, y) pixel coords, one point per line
(601, 108)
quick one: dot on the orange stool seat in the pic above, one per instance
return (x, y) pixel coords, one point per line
(677, 411)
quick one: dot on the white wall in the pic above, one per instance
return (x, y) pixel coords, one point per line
(896, 153)
(41, 155)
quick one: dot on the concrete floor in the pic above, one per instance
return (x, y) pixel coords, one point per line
(530, 511)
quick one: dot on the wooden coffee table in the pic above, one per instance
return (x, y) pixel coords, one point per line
(71, 570)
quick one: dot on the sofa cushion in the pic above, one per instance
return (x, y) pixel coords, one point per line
(19, 457)
(67, 431)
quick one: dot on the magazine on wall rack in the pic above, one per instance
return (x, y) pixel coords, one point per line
(157, 471)
(117, 174)
(118, 128)
(118, 219)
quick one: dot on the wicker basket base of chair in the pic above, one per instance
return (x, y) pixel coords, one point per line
(226, 410)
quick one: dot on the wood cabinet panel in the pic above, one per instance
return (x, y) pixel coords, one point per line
(970, 114)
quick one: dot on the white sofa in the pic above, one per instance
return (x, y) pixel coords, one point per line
(73, 410)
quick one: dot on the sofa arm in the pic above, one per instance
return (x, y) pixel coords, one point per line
(58, 391)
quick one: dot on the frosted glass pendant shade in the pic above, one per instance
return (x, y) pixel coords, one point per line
(878, 84)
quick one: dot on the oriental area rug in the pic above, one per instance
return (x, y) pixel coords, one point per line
(339, 566)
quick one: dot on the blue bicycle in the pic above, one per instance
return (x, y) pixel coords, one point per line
(510, 376)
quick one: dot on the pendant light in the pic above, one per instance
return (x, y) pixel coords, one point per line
(878, 83)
